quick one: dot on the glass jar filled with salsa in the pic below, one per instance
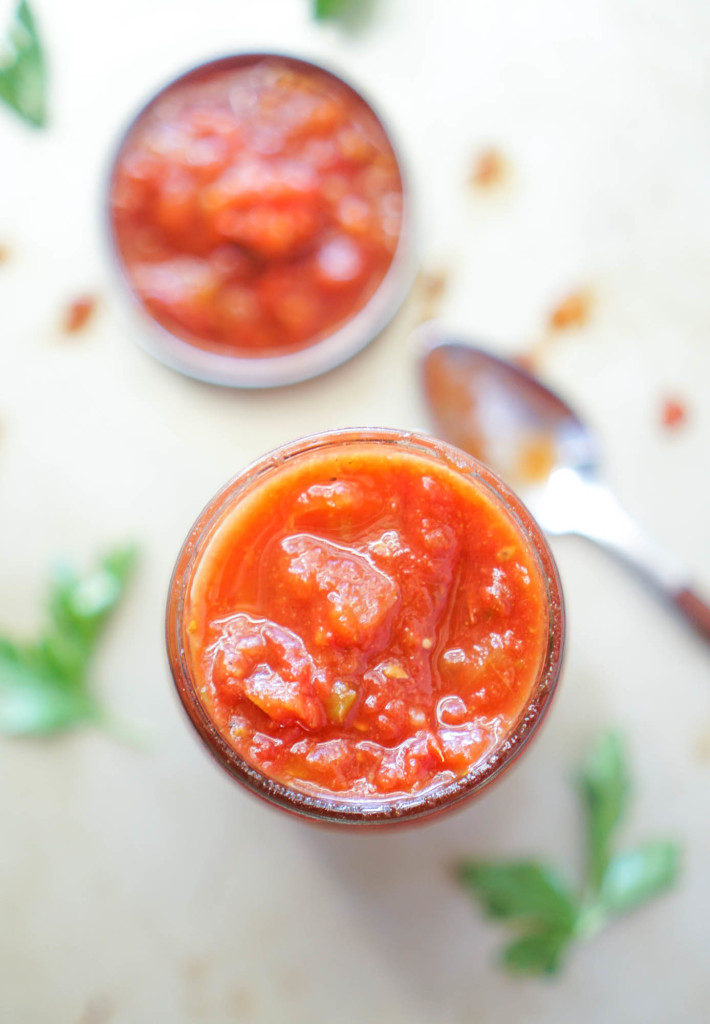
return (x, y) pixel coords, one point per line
(257, 209)
(365, 626)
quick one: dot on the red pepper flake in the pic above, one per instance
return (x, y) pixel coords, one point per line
(573, 311)
(434, 284)
(490, 168)
(673, 413)
(432, 288)
(79, 313)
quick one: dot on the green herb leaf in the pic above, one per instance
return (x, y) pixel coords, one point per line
(33, 700)
(635, 876)
(323, 9)
(22, 68)
(79, 607)
(520, 889)
(537, 952)
(533, 897)
(353, 13)
(44, 686)
(604, 785)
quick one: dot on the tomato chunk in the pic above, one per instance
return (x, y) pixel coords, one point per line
(270, 666)
(354, 600)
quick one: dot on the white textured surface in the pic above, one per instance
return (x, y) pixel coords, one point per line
(144, 887)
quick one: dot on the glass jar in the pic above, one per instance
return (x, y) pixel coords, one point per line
(251, 269)
(319, 804)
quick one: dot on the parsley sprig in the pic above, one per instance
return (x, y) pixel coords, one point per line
(353, 13)
(23, 76)
(44, 685)
(323, 9)
(547, 911)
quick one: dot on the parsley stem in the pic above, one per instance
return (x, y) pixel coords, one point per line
(590, 920)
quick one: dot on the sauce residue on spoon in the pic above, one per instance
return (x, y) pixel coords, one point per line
(495, 411)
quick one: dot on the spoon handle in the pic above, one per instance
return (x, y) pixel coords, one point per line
(695, 610)
(592, 511)
(620, 534)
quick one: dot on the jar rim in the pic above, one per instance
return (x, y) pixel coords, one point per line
(322, 806)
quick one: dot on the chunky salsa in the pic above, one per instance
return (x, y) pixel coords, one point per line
(365, 621)
(256, 208)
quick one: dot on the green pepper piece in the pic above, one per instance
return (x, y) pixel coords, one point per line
(339, 702)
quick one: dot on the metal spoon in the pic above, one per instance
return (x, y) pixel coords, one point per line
(537, 444)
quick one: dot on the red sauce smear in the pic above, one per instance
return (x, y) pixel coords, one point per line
(256, 209)
(366, 623)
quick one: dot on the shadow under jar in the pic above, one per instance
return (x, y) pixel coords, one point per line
(365, 627)
(259, 217)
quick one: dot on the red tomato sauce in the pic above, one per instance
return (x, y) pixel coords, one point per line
(366, 622)
(256, 209)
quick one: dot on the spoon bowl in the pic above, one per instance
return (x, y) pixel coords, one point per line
(535, 441)
(503, 415)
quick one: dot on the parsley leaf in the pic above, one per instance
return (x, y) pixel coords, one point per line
(79, 607)
(533, 897)
(604, 785)
(44, 686)
(519, 889)
(353, 13)
(537, 952)
(328, 8)
(22, 68)
(33, 699)
(635, 876)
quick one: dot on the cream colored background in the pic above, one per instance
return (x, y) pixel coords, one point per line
(143, 887)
